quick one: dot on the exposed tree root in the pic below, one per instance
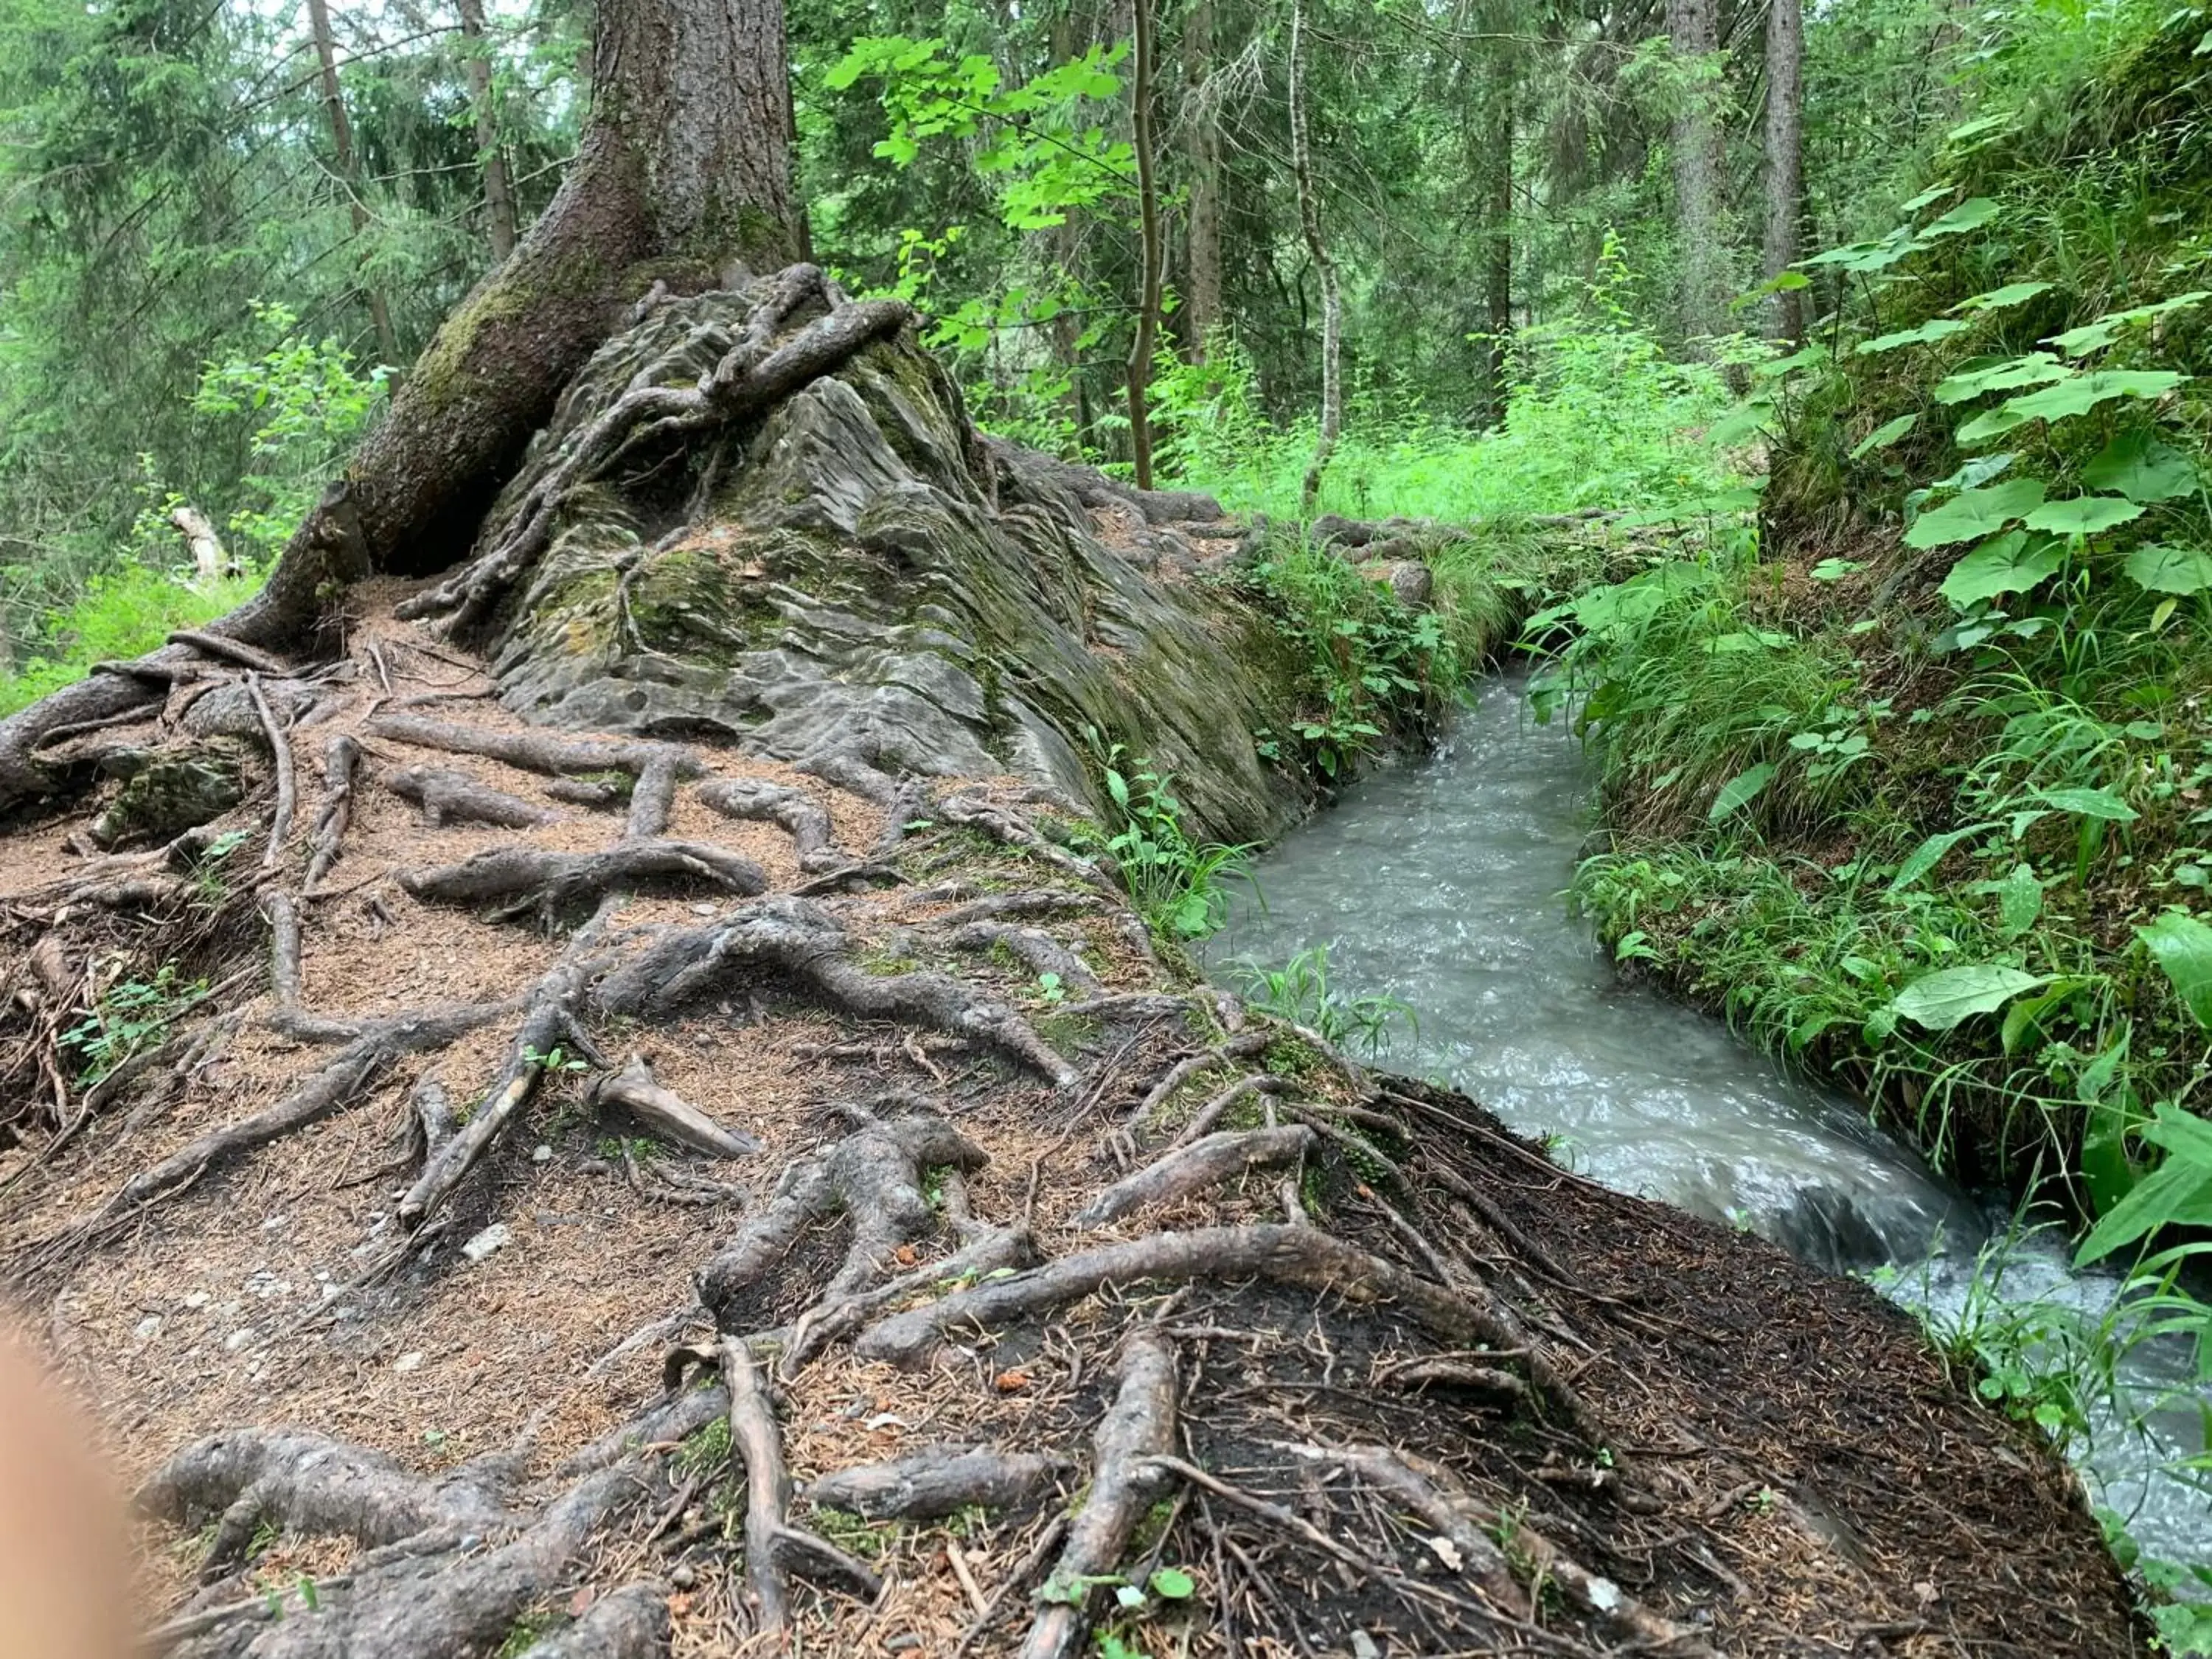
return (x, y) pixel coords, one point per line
(532, 750)
(805, 817)
(280, 753)
(775, 1550)
(939, 1481)
(451, 796)
(1138, 1428)
(337, 1083)
(874, 1176)
(634, 1090)
(533, 878)
(1444, 1408)
(341, 760)
(798, 938)
(550, 1014)
(1205, 1162)
(306, 1484)
(224, 649)
(630, 1624)
(652, 796)
(753, 372)
(1304, 1257)
(1036, 949)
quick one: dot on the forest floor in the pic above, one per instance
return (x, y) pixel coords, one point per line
(1380, 1379)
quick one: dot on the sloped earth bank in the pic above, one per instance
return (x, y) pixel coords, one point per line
(629, 1186)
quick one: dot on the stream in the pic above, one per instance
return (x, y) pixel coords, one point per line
(1440, 880)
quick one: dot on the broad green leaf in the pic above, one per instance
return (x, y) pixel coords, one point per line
(1934, 193)
(1172, 1584)
(2182, 945)
(1941, 1000)
(2164, 570)
(2071, 398)
(1935, 328)
(1740, 791)
(2094, 336)
(1973, 513)
(1883, 435)
(1929, 853)
(2179, 1192)
(1970, 214)
(2137, 465)
(1999, 298)
(2005, 375)
(2088, 804)
(2020, 901)
(2083, 515)
(2009, 563)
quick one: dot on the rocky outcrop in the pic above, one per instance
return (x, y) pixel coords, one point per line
(856, 573)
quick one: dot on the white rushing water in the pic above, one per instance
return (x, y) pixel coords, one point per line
(1440, 881)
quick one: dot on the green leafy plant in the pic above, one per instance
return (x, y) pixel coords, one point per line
(130, 1016)
(1179, 884)
(1299, 991)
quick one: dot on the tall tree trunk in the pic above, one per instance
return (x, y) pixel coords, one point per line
(1066, 257)
(319, 23)
(1148, 245)
(1693, 31)
(684, 169)
(1498, 253)
(1785, 158)
(1202, 303)
(499, 195)
(1332, 304)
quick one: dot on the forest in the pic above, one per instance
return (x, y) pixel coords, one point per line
(1010, 506)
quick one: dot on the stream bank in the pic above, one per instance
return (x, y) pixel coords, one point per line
(1441, 881)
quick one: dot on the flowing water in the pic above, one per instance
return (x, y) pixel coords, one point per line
(1440, 881)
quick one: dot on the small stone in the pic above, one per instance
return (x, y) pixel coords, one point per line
(684, 1577)
(497, 1236)
(702, 909)
(904, 1642)
(541, 1154)
(147, 1327)
(274, 1223)
(197, 1299)
(1362, 1646)
(238, 1338)
(408, 1362)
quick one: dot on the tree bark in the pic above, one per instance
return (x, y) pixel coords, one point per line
(1148, 245)
(684, 168)
(1332, 303)
(1498, 253)
(1693, 30)
(499, 195)
(319, 22)
(1202, 304)
(1785, 181)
